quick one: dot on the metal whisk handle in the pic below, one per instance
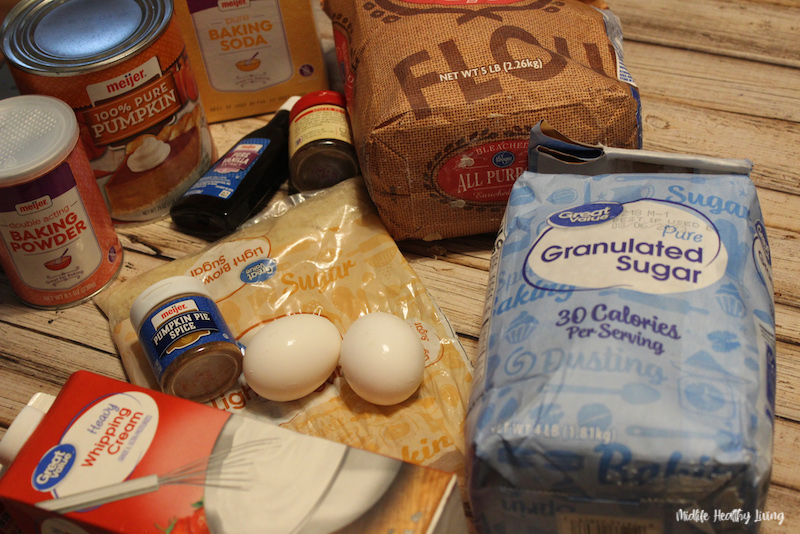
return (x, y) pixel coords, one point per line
(99, 496)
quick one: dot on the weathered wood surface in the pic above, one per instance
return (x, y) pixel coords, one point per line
(719, 78)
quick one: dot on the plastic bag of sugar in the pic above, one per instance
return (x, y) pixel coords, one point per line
(626, 372)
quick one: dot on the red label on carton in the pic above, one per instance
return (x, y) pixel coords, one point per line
(101, 433)
(113, 457)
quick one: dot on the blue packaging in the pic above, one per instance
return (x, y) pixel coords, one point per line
(625, 380)
(190, 348)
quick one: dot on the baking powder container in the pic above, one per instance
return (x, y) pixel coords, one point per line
(59, 245)
(187, 342)
(131, 86)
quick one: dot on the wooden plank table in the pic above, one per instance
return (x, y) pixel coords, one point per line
(718, 78)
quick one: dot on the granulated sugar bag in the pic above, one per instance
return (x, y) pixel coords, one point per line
(442, 95)
(625, 380)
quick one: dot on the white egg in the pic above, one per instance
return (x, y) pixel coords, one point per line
(290, 357)
(382, 358)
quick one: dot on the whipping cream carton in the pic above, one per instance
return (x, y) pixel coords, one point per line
(113, 457)
(626, 371)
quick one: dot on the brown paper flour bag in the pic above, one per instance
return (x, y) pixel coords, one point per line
(442, 95)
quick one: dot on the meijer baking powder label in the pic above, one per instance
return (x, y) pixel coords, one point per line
(59, 245)
(50, 239)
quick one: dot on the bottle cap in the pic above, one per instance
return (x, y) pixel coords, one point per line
(160, 291)
(289, 104)
(42, 401)
(36, 133)
(18, 433)
(315, 99)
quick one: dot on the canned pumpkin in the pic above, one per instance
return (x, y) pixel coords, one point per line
(132, 90)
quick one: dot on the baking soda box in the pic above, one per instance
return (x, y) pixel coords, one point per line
(249, 56)
(109, 456)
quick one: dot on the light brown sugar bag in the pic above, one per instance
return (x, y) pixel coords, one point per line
(331, 256)
(442, 95)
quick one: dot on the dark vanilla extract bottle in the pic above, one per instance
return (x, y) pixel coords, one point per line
(239, 183)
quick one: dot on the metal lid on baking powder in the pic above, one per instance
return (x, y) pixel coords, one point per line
(36, 134)
(57, 38)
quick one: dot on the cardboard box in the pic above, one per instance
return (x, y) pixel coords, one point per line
(113, 457)
(249, 56)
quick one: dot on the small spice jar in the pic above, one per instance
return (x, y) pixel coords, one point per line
(187, 342)
(321, 147)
